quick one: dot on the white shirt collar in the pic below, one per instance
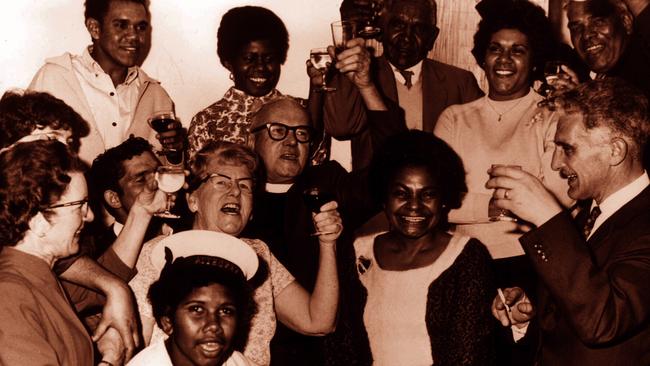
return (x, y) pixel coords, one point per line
(618, 199)
(93, 66)
(415, 69)
(117, 228)
(278, 187)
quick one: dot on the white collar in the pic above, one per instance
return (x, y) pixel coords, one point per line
(117, 228)
(93, 66)
(415, 69)
(618, 199)
(278, 187)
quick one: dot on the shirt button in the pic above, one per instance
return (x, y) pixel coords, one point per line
(114, 124)
(112, 93)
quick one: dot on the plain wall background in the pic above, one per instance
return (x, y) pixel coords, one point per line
(183, 54)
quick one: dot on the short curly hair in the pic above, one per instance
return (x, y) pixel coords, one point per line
(176, 282)
(612, 103)
(97, 9)
(224, 152)
(522, 15)
(23, 112)
(243, 25)
(419, 149)
(33, 176)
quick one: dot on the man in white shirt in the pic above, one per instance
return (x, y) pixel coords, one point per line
(595, 270)
(104, 84)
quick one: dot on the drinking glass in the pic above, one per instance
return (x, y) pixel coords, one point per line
(496, 213)
(170, 179)
(321, 60)
(342, 32)
(552, 71)
(315, 198)
(160, 122)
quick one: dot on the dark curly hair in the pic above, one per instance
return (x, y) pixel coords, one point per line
(97, 9)
(612, 103)
(23, 112)
(243, 25)
(33, 176)
(419, 149)
(178, 280)
(522, 15)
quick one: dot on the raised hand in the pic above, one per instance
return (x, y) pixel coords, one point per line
(328, 223)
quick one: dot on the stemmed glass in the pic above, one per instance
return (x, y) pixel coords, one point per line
(321, 59)
(370, 30)
(552, 71)
(161, 122)
(170, 179)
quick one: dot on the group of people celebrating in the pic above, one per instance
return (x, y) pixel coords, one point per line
(283, 255)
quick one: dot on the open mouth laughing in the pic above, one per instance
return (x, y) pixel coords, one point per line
(231, 209)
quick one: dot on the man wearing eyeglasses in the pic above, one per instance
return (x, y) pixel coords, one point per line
(282, 135)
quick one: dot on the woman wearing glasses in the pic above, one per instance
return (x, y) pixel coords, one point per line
(44, 207)
(221, 197)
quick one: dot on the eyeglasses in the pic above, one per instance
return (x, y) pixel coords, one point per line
(224, 183)
(82, 202)
(279, 131)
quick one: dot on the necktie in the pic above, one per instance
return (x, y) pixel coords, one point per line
(407, 77)
(593, 215)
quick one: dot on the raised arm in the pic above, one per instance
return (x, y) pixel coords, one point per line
(315, 314)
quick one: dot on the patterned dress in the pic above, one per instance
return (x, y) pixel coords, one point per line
(227, 119)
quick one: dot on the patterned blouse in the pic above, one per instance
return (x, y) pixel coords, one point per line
(227, 119)
(268, 288)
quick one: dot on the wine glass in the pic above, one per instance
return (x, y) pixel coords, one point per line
(170, 179)
(161, 122)
(321, 60)
(315, 198)
(552, 71)
(342, 32)
(496, 213)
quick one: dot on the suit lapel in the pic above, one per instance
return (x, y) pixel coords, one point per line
(386, 79)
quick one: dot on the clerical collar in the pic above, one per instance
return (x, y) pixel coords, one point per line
(415, 69)
(278, 187)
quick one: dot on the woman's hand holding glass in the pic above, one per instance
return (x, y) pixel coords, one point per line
(328, 223)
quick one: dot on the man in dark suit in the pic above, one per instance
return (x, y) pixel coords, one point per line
(422, 87)
(594, 298)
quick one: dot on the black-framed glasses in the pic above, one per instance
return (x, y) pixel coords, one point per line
(68, 204)
(279, 131)
(224, 183)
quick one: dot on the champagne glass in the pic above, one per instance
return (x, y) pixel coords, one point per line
(161, 122)
(170, 179)
(321, 60)
(342, 32)
(315, 198)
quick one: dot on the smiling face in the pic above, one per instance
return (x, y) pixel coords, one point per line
(224, 202)
(201, 331)
(508, 63)
(123, 38)
(413, 207)
(409, 33)
(599, 39)
(581, 156)
(138, 172)
(66, 222)
(256, 68)
(284, 160)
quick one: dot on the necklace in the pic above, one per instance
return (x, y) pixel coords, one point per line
(489, 103)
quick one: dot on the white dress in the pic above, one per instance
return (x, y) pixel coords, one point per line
(394, 316)
(156, 355)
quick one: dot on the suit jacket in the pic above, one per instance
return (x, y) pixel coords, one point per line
(57, 78)
(594, 300)
(345, 113)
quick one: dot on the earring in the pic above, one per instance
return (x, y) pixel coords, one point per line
(231, 76)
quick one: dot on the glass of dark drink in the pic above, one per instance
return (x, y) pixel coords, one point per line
(315, 198)
(321, 60)
(162, 122)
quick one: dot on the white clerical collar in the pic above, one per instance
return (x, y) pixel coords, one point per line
(619, 198)
(278, 187)
(415, 69)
